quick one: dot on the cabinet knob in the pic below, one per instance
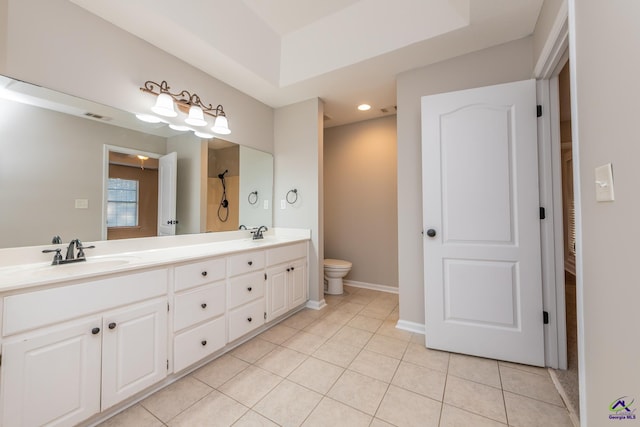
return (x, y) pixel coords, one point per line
(95, 331)
(203, 342)
(203, 305)
(293, 268)
(112, 325)
(249, 319)
(204, 273)
(249, 288)
(250, 263)
(288, 269)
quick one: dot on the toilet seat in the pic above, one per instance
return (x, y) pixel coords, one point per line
(336, 263)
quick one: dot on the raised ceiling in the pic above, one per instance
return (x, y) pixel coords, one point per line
(344, 51)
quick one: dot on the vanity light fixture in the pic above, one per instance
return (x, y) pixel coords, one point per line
(187, 103)
(364, 107)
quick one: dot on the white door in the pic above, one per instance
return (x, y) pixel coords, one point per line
(134, 350)
(482, 268)
(167, 189)
(53, 378)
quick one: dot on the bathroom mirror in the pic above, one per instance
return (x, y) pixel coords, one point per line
(52, 169)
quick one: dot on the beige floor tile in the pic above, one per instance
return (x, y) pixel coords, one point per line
(527, 368)
(358, 391)
(455, 417)
(475, 397)
(332, 300)
(316, 375)
(476, 369)
(525, 412)
(215, 409)
(323, 328)
(253, 350)
(301, 319)
(351, 336)
(388, 346)
(288, 404)
(341, 317)
(375, 365)
(170, 401)
(338, 354)
(365, 323)
(358, 298)
(350, 307)
(376, 313)
(278, 334)
(220, 370)
(304, 342)
(404, 408)
(377, 422)
(421, 380)
(253, 419)
(281, 361)
(389, 329)
(530, 385)
(332, 413)
(250, 385)
(418, 339)
(433, 359)
(134, 416)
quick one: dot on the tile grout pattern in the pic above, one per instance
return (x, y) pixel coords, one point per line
(348, 365)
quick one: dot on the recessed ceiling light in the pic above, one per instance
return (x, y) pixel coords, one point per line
(364, 107)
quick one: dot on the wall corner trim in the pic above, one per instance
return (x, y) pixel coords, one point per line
(405, 325)
(316, 305)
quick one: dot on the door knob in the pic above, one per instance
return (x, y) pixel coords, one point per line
(431, 232)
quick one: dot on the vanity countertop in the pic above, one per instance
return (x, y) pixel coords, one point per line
(113, 257)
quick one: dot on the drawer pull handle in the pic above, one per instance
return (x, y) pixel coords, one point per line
(249, 288)
(95, 331)
(204, 273)
(203, 342)
(112, 325)
(249, 319)
(203, 305)
(250, 263)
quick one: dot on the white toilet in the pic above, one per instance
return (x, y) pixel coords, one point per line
(334, 271)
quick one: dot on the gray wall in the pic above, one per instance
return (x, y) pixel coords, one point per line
(501, 64)
(360, 203)
(604, 75)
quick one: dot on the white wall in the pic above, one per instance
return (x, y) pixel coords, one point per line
(298, 159)
(59, 45)
(256, 174)
(501, 64)
(605, 66)
(360, 204)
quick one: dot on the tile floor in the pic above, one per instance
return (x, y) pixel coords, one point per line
(347, 365)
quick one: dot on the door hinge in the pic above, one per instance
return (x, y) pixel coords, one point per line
(543, 213)
(545, 317)
(538, 110)
(167, 364)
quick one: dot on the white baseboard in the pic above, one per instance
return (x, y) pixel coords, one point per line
(405, 325)
(372, 286)
(316, 305)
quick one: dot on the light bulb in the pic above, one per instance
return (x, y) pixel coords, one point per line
(221, 126)
(164, 106)
(196, 116)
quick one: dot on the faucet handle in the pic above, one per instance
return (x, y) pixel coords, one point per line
(82, 248)
(56, 240)
(57, 258)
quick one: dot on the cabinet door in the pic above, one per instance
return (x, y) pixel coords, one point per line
(276, 292)
(53, 378)
(134, 352)
(297, 285)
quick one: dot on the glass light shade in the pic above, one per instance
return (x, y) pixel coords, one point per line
(196, 116)
(179, 127)
(164, 106)
(203, 135)
(148, 118)
(221, 126)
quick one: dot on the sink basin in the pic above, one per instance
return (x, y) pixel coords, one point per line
(94, 265)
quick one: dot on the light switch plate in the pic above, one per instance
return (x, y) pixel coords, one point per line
(283, 204)
(604, 183)
(265, 204)
(82, 203)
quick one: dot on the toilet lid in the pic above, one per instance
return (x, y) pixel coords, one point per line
(336, 263)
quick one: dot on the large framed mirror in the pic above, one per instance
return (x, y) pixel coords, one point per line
(57, 152)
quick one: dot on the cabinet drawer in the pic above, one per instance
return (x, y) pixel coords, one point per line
(42, 308)
(245, 319)
(286, 253)
(243, 289)
(198, 343)
(199, 273)
(199, 304)
(246, 262)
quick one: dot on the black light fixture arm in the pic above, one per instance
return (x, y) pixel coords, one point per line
(183, 98)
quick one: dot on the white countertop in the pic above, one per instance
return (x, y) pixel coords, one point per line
(132, 254)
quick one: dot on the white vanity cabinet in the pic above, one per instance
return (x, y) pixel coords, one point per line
(70, 352)
(287, 280)
(199, 307)
(246, 293)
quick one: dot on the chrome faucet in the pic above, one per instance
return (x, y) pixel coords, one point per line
(70, 256)
(257, 232)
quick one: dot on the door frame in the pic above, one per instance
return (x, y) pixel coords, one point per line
(553, 57)
(106, 148)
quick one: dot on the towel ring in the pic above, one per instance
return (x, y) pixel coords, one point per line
(253, 200)
(294, 197)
